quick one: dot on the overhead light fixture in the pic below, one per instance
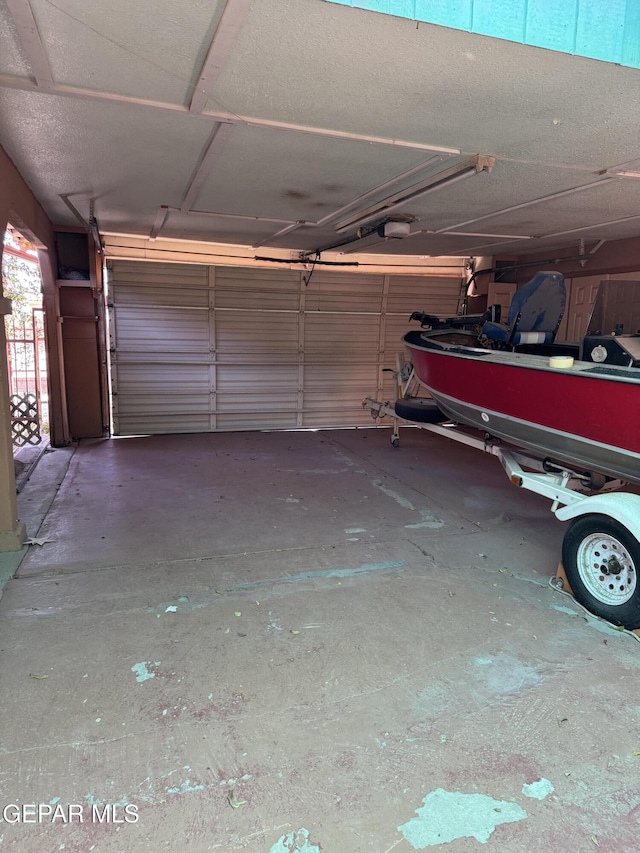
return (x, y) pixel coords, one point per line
(478, 163)
(396, 229)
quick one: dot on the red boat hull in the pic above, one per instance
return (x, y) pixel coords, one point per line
(587, 416)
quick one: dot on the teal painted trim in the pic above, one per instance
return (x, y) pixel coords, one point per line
(447, 13)
(552, 24)
(631, 39)
(608, 30)
(501, 19)
(600, 30)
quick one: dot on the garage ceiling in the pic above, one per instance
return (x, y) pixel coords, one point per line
(267, 123)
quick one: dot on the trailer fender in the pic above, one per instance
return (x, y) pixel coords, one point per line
(623, 507)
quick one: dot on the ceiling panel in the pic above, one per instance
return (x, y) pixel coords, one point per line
(268, 172)
(11, 58)
(611, 199)
(192, 226)
(100, 150)
(147, 48)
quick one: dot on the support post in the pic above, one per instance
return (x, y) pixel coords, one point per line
(12, 532)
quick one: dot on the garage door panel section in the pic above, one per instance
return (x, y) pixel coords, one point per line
(156, 296)
(269, 337)
(339, 338)
(337, 292)
(408, 293)
(160, 348)
(161, 330)
(167, 398)
(255, 290)
(262, 397)
(333, 394)
(163, 380)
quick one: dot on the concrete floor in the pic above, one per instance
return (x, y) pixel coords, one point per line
(304, 642)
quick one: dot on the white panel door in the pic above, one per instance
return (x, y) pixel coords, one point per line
(581, 295)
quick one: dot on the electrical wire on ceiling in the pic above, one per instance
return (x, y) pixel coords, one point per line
(313, 266)
(306, 261)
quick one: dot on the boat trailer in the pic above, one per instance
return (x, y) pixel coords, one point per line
(601, 548)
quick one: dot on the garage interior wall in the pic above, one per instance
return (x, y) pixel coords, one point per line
(19, 207)
(204, 348)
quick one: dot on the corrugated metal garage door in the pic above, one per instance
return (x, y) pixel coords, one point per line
(196, 348)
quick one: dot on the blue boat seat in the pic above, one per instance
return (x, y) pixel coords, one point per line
(535, 313)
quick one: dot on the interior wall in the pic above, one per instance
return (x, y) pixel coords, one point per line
(615, 256)
(617, 259)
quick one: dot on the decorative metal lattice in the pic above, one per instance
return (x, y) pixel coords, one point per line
(25, 423)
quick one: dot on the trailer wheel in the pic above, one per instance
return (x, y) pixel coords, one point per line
(422, 410)
(601, 559)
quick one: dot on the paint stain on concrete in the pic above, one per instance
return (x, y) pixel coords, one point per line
(315, 471)
(426, 518)
(142, 670)
(591, 620)
(98, 803)
(562, 609)
(399, 499)
(448, 815)
(538, 790)
(231, 782)
(428, 521)
(186, 787)
(347, 460)
(355, 530)
(274, 624)
(503, 673)
(364, 569)
(295, 842)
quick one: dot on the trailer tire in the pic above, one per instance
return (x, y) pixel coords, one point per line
(422, 410)
(601, 559)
